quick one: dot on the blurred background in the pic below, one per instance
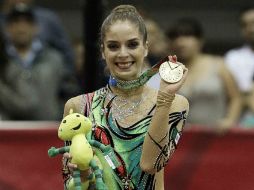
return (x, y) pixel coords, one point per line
(219, 18)
(212, 155)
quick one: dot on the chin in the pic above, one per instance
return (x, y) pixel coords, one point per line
(126, 76)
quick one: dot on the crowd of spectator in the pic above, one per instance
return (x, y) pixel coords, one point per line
(40, 68)
(37, 74)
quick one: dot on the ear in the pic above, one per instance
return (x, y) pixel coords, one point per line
(146, 48)
(102, 51)
(102, 55)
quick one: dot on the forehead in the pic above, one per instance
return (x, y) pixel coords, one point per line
(186, 38)
(122, 31)
(248, 16)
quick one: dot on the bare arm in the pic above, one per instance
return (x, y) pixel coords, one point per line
(250, 99)
(163, 135)
(234, 107)
(159, 143)
(74, 104)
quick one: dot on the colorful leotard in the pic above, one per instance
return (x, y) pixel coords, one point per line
(126, 142)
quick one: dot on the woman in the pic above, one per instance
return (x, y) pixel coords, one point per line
(214, 99)
(142, 125)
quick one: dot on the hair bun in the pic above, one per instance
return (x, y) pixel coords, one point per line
(124, 8)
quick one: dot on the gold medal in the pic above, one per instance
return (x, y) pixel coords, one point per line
(171, 72)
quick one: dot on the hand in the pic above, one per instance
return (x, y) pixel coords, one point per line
(52, 152)
(172, 88)
(250, 99)
(83, 173)
(223, 126)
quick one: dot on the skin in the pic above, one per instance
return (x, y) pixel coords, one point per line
(186, 47)
(124, 51)
(247, 21)
(250, 99)
(22, 32)
(189, 50)
(157, 40)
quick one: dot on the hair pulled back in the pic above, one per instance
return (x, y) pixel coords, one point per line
(124, 13)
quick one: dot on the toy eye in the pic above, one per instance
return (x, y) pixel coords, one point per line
(77, 115)
(64, 121)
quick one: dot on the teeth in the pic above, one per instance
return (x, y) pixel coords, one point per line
(124, 65)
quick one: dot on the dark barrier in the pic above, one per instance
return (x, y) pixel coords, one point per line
(202, 161)
(206, 161)
(24, 163)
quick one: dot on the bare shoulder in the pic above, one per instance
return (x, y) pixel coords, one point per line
(212, 60)
(212, 57)
(180, 103)
(74, 104)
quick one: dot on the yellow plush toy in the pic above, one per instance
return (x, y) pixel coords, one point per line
(74, 127)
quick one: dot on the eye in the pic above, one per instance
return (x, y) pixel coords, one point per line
(113, 46)
(64, 121)
(77, 115)
(133, 44)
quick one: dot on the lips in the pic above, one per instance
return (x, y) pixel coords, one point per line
(124, 65)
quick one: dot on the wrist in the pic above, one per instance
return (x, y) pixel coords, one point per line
(165, 99)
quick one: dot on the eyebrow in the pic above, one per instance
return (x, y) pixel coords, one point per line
(113, 41)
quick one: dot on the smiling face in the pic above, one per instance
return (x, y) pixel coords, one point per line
(73, 124)
(124, 50)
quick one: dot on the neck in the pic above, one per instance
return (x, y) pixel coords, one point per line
(192, 60)
(22, 48)
(128, 92)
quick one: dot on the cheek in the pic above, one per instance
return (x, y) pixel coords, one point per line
(108, 59)
(108, 55)
(140, 54)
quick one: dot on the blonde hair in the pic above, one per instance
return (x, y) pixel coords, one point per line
(123, 13)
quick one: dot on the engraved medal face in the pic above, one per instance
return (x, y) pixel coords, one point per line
(171, 72)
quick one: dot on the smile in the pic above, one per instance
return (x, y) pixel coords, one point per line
(124, 65)
(77, 127)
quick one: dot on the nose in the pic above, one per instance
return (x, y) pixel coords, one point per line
(123, 52)
(181, 41)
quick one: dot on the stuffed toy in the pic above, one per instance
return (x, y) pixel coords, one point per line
(74, 127)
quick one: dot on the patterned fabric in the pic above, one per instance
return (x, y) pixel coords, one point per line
(126, 142)
(124, 173)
